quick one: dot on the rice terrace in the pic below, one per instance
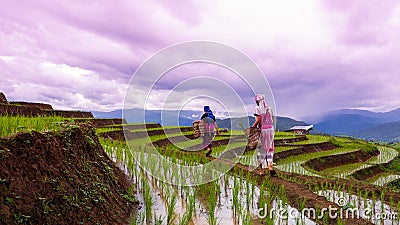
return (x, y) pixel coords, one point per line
(66, 167)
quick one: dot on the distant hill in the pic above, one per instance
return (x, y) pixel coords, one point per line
(163, 117)
(186, 117)
(342, 124)
(282, 123)
(382, 126)
(358, 123)
(383, 117)
(384, 132)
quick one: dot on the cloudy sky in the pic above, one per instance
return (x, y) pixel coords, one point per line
(316, 55)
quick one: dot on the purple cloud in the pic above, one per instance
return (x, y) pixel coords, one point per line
(317, 56)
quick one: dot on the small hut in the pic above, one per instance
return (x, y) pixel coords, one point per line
(301, 129)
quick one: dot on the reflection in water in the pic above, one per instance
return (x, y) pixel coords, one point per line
(237, 199)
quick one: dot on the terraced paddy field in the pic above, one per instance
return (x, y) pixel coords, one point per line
(314, 172)
(176, 183)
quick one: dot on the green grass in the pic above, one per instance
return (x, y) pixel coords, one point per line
(313, 139)
(106, 129)
(137, 123)
(343, 170)
(234, 132)
(113, 127)
(391, 180)
(285, 135)
(13, 124)
(397, 146)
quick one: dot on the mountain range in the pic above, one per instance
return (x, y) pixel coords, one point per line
(186, 117)
(382, 126)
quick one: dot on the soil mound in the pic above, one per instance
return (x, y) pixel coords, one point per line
(36, 110)
(61, 177)
(72, 114)
(119, 134)
(3, 99)
(22, 110)
(42, 106)
(142, 126)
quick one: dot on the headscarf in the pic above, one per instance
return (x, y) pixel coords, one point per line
(209, 112)
(260, 98)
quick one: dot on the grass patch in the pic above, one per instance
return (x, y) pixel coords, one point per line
(13, 124)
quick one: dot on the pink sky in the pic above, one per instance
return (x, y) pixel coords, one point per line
(317, 55)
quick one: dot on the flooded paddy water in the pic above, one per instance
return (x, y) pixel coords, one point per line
(193, 191)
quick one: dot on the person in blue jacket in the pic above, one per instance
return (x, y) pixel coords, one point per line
(208, 125)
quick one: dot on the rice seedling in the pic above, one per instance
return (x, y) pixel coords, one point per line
(135, 219)
(171, 202)
(242, 192)
(191, 205)
(211, 219)
(384, 179)
(235, 195)
(184, 220)
(158, 220)
(263, 203)
(248, 194)
(147, 197)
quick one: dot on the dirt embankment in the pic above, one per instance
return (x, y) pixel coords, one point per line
(41, 106)
(36, 109)
(23, 110)
(283, 142)
(304, 149)
(3, 99)
(119, 134)
(326, 162)
(32, 109)
(61, 178)
(142, 126)
(72, 114)
(103, 122)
